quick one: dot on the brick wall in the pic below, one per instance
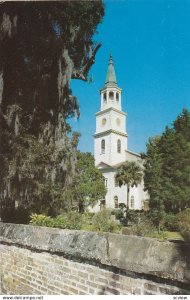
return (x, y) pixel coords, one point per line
(26, 269)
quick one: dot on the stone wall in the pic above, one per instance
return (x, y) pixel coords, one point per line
(39, 260)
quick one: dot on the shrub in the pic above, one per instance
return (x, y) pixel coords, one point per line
(102, 222)
(118, 213)
(143, 228)
(87, 218)
(73, 220)
(134, 216)
(122, 206)
(184, 223)
(70, 220)
(170, 222)
(59, 222)
(41, 220)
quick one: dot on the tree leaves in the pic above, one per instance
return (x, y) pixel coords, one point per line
(167, 167)
(43, 45)
(129, 173)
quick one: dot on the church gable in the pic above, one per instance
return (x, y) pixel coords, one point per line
(103, 165)
(132, 156)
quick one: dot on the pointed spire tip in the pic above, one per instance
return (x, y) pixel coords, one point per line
(111, 77)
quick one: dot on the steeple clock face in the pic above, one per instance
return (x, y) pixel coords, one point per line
(118, 122)
(104, 121)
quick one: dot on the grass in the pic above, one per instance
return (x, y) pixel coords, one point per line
(168, 235)
(173, 235)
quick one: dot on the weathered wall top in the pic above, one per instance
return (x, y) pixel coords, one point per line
(129, 253)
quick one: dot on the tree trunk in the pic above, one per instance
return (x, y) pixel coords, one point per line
(1, 160)
(128, 190)
(1, 86)
(81, 207)
(159, 227)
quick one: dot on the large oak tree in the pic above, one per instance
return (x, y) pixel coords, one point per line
(43, 45)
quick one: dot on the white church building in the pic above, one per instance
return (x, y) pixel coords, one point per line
(111, 146)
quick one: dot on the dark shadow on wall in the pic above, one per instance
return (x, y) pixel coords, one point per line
(182, 280)
(183, 270)
(112, 288)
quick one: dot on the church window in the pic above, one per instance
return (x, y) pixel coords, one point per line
(132, 201)
(105, 98)
(117, 97)
(119, 146)
(111, 95)
(103, 146)
(116, 203)
(106, 182)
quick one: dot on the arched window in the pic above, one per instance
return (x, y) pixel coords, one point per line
(119, 146)
(132, 201)
(116, 202)
(117, 97)
(103, 146)
(111, 95)
(105, 97)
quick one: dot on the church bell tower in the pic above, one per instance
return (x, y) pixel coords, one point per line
(110, 138)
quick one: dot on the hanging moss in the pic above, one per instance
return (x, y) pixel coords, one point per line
(43, 45)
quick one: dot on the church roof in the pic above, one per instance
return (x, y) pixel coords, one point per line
(103, 165)
(133, 153)
(111, 77)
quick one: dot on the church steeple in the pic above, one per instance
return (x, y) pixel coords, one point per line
(110, 93)
(111, 77)
(110, 136)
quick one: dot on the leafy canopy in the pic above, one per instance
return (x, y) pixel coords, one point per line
(89, 185)
(129, 173)
(43, 45)
(167, 167)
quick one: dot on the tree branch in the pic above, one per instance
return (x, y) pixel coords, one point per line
(83, 72)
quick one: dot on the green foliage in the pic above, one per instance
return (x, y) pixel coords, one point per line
(184, 224)
(170, 222)
(102, 222)
(173, 235)
(41, 220)
(132, 216)
(122, 206)
(71, 220)
(157, 218)
(162, 235)
(87, 221)
(34, 178)
(53, 43)
(88, 185)
(129, 173)
(118, 213)
(167, 168)
(144, 227)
